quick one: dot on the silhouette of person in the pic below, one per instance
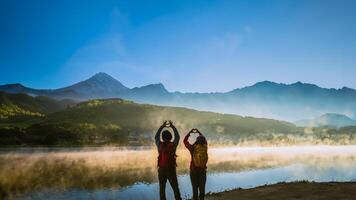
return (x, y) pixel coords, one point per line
(199, 155)
(167, 159)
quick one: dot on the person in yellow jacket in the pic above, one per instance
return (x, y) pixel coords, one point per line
(198, 164)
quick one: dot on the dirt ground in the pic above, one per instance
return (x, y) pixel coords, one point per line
(289, 191)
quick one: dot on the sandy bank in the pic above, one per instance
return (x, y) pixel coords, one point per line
(289, 191)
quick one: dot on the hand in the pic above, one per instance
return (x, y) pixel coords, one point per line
(167, 123)
(194, 130)
(199, 132)
(164, 124)
(170, 122)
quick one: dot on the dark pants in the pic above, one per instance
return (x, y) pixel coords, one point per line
(169, 174)
(198, 178)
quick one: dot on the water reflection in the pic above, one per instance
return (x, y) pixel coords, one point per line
(217, 182)
(131, 174)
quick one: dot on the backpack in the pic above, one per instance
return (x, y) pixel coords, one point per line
(167, 155)
(200, 155)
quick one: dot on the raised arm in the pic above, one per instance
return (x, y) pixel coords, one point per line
(206, 142)
(186, 142)
(158, 135)
(176, 135)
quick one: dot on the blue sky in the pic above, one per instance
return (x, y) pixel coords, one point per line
(190, 46)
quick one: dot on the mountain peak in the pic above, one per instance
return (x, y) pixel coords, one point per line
(157, 87)
(298, 83)
(100, 84)
(347, 89)
(14, 88)
(104, 79)
(265, 83)
(256, 86)
(102, 76)
(14, 85)
(301, 84)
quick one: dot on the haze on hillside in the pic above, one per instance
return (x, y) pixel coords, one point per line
(328, 119)
(264, 99)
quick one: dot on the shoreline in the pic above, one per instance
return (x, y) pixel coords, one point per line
(266, 149)
(291, 191)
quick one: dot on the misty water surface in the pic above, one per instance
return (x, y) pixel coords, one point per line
(117, 173)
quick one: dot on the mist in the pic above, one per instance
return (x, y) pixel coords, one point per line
(97, 168)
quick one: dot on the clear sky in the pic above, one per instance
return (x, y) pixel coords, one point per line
(194, 46)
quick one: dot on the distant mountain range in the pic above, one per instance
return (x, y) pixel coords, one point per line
(329, 119)
(100, 85)
(264, 99)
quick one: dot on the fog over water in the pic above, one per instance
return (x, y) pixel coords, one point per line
(104, 173)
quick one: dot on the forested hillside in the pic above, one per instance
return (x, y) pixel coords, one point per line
(122, 122)
(20, 107)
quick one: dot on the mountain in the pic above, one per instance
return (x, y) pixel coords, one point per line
(131, 115)
(101, 85)
(20, 107)
(272, 100)
(120, 121)
(329, 119)
(264, 99)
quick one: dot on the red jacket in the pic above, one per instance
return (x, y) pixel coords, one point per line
(174, 144)
(190, 147)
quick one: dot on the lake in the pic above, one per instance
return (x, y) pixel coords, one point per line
(130, 173)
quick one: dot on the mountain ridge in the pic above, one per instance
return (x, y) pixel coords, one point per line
(328, 119)
(263, 99)
(103, 75)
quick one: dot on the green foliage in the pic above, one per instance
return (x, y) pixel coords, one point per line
(25, 110)
(142, 117)
(117, 121)
(121, 122)
(12, 111)
(39, 104)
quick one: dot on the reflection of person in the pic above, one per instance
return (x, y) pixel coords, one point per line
(167, 159)
(199, 154)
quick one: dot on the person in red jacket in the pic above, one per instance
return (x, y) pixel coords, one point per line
(167, 159)
(198, 152)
